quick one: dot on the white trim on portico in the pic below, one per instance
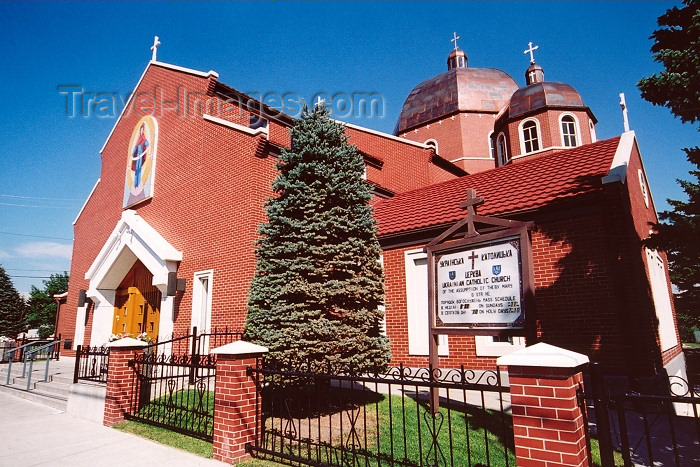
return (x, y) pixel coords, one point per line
(132, 239)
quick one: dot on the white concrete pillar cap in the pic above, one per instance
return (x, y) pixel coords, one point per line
(543, 355)
(127, 342)
(240, 348)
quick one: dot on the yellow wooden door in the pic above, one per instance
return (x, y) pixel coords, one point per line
(120, 322)
(135, 314)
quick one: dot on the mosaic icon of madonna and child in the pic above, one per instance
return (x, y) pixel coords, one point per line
(140, 162)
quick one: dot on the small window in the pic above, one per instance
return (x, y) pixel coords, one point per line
(568, 131)
(530, 137)
(201, 300)
(591, 126)
(433, 144)
(416, 264)
(492, 148)
(643, 187)
(502, 149)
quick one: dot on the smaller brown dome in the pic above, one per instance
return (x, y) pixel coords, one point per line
(544, 94)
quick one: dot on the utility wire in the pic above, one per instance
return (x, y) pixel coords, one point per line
(34, 270)
(36, 206)
(3, 195)
(35, 236)
(30, 277)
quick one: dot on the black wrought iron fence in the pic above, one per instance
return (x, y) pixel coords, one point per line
(195, 342)
(214, 338)
(384, 418)
(91, 364)
(174, 392)
(658, 428)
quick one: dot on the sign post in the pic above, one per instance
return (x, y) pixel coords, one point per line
(480, 283)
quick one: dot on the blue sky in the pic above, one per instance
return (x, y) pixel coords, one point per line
(50, 161)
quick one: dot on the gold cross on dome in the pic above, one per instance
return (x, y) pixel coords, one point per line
(530, 51)
(454, 39)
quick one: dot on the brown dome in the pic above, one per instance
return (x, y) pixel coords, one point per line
(543, 94)
(459, 89)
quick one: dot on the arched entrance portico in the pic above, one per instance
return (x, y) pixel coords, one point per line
(133, 249)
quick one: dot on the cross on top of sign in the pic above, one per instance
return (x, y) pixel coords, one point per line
(472, 201)
(470, 205)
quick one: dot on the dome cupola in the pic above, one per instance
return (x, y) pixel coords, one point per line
(459, 89)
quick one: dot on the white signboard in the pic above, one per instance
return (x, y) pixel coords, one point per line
(480, 286)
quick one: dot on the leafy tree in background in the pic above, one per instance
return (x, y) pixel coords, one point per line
(677, 47)
(42, 306)
(318, 285)
(12, 308)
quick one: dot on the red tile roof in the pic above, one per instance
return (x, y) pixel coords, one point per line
(515, 187)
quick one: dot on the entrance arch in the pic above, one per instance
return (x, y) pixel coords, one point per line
(132, 244)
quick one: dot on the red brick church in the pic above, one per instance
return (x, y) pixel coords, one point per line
(165, 240)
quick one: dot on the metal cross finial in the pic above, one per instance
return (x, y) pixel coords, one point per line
(623, 106)
(530, 51)
(154, 48)
(454, 39)
(320, 102)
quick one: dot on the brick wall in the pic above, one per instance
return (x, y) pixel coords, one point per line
(463, 134)
(582, 302)
(209, 193)
(119, 390)
(548, 424)
(236, 416)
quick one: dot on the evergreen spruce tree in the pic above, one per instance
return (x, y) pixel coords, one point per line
(12, 308)
(677, 47)
(318, 284)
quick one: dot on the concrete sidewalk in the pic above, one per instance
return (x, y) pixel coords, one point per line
(36, 435)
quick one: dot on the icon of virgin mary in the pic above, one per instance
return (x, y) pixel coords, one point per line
(140, 163)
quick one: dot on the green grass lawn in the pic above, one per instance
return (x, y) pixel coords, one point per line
(595, 452)
(169, 438)
(463, 434)
(398, 428)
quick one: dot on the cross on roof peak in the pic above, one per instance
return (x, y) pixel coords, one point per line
(530, 51)
(454, 39)
(154, 48)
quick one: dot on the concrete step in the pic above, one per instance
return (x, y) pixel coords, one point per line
(53, 393)
(57, 401)
(59, 389)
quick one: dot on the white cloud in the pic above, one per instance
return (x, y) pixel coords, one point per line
(45, 249)
(4, 254)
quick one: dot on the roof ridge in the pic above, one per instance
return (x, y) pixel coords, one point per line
(515, 166)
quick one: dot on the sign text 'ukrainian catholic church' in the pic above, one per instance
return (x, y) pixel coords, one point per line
(480, 285)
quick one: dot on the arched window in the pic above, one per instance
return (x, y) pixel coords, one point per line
(530, 136)
(502, 149)
(433, 143)
(569, 131)
(492, 149)
(591, 126)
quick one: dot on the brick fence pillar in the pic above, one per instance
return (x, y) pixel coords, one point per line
(236, 409)
(119, 379)
(548, 423)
